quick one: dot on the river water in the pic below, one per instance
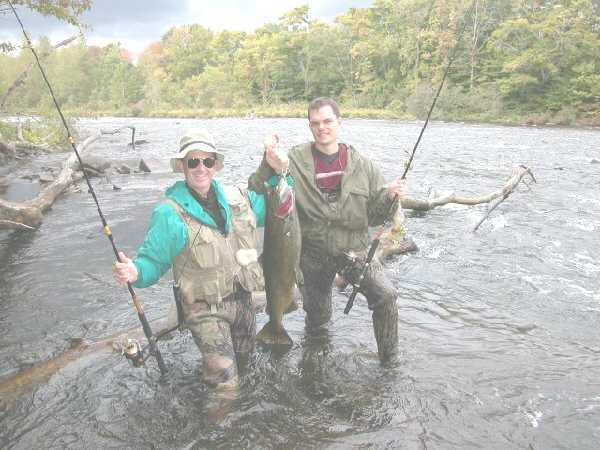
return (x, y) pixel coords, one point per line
(499, 336)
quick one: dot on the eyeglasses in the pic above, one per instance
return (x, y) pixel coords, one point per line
(192, 163)
(327, 123)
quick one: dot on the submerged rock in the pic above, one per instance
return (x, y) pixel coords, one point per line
(95, 163)
(154, 165)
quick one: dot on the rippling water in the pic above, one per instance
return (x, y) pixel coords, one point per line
(499, 330)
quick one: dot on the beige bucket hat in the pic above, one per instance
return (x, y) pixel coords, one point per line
(197, 139)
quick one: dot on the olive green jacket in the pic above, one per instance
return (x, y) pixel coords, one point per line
(343, 225)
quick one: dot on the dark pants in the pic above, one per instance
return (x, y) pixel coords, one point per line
(319, 270)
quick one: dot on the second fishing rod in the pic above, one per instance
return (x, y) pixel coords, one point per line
(394, 203)
(135, 354)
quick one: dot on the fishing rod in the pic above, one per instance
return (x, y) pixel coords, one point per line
(377, 238)
(132, 351)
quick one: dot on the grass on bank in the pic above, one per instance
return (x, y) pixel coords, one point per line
(567, 116)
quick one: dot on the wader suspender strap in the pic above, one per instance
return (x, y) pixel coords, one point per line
(175, 283)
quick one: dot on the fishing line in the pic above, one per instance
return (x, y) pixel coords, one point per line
(138, 306)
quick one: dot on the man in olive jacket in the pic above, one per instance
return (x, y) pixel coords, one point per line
(339, 194)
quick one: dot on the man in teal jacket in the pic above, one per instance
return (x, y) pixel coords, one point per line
(206, 233)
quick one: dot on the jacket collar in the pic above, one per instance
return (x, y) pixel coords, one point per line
(180, 193)
(306, 167)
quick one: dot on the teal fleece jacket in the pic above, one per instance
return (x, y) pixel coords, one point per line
(167, 234)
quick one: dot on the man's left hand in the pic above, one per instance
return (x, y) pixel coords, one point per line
(398, 187)
(275, 157)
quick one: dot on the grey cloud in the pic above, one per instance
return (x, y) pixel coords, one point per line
(106, 17)
(137, 23)
(34, 23)
(122, 13)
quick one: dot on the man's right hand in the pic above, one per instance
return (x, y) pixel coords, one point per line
(125, 271)
(276, 158)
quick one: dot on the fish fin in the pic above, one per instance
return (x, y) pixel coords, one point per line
(270, 336)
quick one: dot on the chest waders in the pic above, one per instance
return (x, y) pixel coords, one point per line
(225, 262)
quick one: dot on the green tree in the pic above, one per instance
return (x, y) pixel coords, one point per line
(357, 64)
(118, 82)
(514, 56)
(263, 63)
(187, 50)
(548, 58)
(156, 79)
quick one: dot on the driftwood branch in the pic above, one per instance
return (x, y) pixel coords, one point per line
(118, 130)
(394, 240)
(511, 185)
(23, 76)
(20, 136)
(13, 149)
(29, 214)
(16, 225)
(425, 205)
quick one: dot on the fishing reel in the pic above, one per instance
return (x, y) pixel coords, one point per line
(349, 265)
(133, 351)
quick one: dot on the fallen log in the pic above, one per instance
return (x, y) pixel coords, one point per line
(79, 353)
(29, 214)
(22, 148)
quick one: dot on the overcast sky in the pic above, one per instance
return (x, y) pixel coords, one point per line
(137, 23)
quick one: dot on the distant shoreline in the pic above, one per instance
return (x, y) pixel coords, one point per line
(297, 111)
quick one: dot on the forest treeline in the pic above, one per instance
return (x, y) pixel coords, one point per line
(518, 60)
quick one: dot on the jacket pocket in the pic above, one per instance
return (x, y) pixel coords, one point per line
(354, 210)
(205, 248)
(244, 228)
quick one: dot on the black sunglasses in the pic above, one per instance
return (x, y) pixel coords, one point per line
(192, 163)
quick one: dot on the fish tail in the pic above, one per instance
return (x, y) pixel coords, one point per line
(274, 335)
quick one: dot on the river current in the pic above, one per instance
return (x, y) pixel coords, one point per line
(499, 335)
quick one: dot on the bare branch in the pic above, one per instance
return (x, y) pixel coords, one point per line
(395, 241)
(518, 175)
(426, 205)
(14, 225)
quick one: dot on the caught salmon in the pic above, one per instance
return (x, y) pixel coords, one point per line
(280, 260)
